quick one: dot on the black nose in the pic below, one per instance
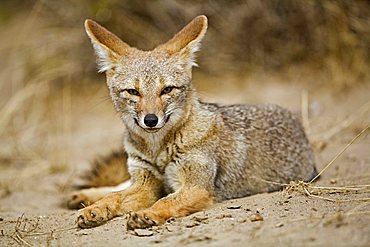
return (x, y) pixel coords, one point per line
(151, 120)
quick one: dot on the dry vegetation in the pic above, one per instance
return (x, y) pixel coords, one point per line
(45, 51)
(47, 73)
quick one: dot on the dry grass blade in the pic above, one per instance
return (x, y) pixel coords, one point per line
(20, 230)
(326, 136)
(340, 153)
(25, 227)
(20, 240)
(314, 191)
(16, 101)
(357, 188)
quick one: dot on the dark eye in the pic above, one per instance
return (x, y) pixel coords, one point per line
(167, 90)
(133, 92)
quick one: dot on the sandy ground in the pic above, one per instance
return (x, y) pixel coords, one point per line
(32, 211)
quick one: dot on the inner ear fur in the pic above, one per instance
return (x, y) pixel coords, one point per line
(105, 38)
(190, 36)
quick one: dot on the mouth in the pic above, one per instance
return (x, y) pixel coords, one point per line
(151, 130)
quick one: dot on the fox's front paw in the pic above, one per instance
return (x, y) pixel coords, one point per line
(94, 215)
(78, 200)
(142, 219)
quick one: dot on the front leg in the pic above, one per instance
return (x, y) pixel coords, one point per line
(196, 194)
(144, 192)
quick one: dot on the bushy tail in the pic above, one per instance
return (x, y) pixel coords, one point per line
(107, 170)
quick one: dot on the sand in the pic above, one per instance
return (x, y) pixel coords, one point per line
(32, 194)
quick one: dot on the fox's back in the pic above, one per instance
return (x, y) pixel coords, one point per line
(259, 144)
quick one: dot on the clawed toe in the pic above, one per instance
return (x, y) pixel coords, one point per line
(91, 217)
(139, 220)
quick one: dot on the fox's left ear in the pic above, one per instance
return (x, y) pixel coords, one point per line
(186, 42)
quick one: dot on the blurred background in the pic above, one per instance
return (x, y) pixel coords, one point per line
(54, 108)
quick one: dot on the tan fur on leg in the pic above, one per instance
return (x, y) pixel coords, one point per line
(86, 197)
(186, 201)
(145, 191)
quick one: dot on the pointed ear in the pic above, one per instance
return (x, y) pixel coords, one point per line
(108, 47)
(186, 42)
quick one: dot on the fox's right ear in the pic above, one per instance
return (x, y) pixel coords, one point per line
(108, 47)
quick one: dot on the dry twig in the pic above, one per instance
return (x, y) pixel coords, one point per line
(26, 228)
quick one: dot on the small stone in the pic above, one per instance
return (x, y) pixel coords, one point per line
(157, 241)
(279, 224)
(200, 219)
(242, 221)
(320, 145)
(143, 232)
(192, 224)
(256, 217)
(234, 207)
(170, 228)
(170, 220)
(224, 216)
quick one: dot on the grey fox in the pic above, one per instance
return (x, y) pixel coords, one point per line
(182, 154)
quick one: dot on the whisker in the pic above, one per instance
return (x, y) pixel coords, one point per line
(102, 99)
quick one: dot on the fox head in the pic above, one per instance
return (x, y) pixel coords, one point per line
(150, 89)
